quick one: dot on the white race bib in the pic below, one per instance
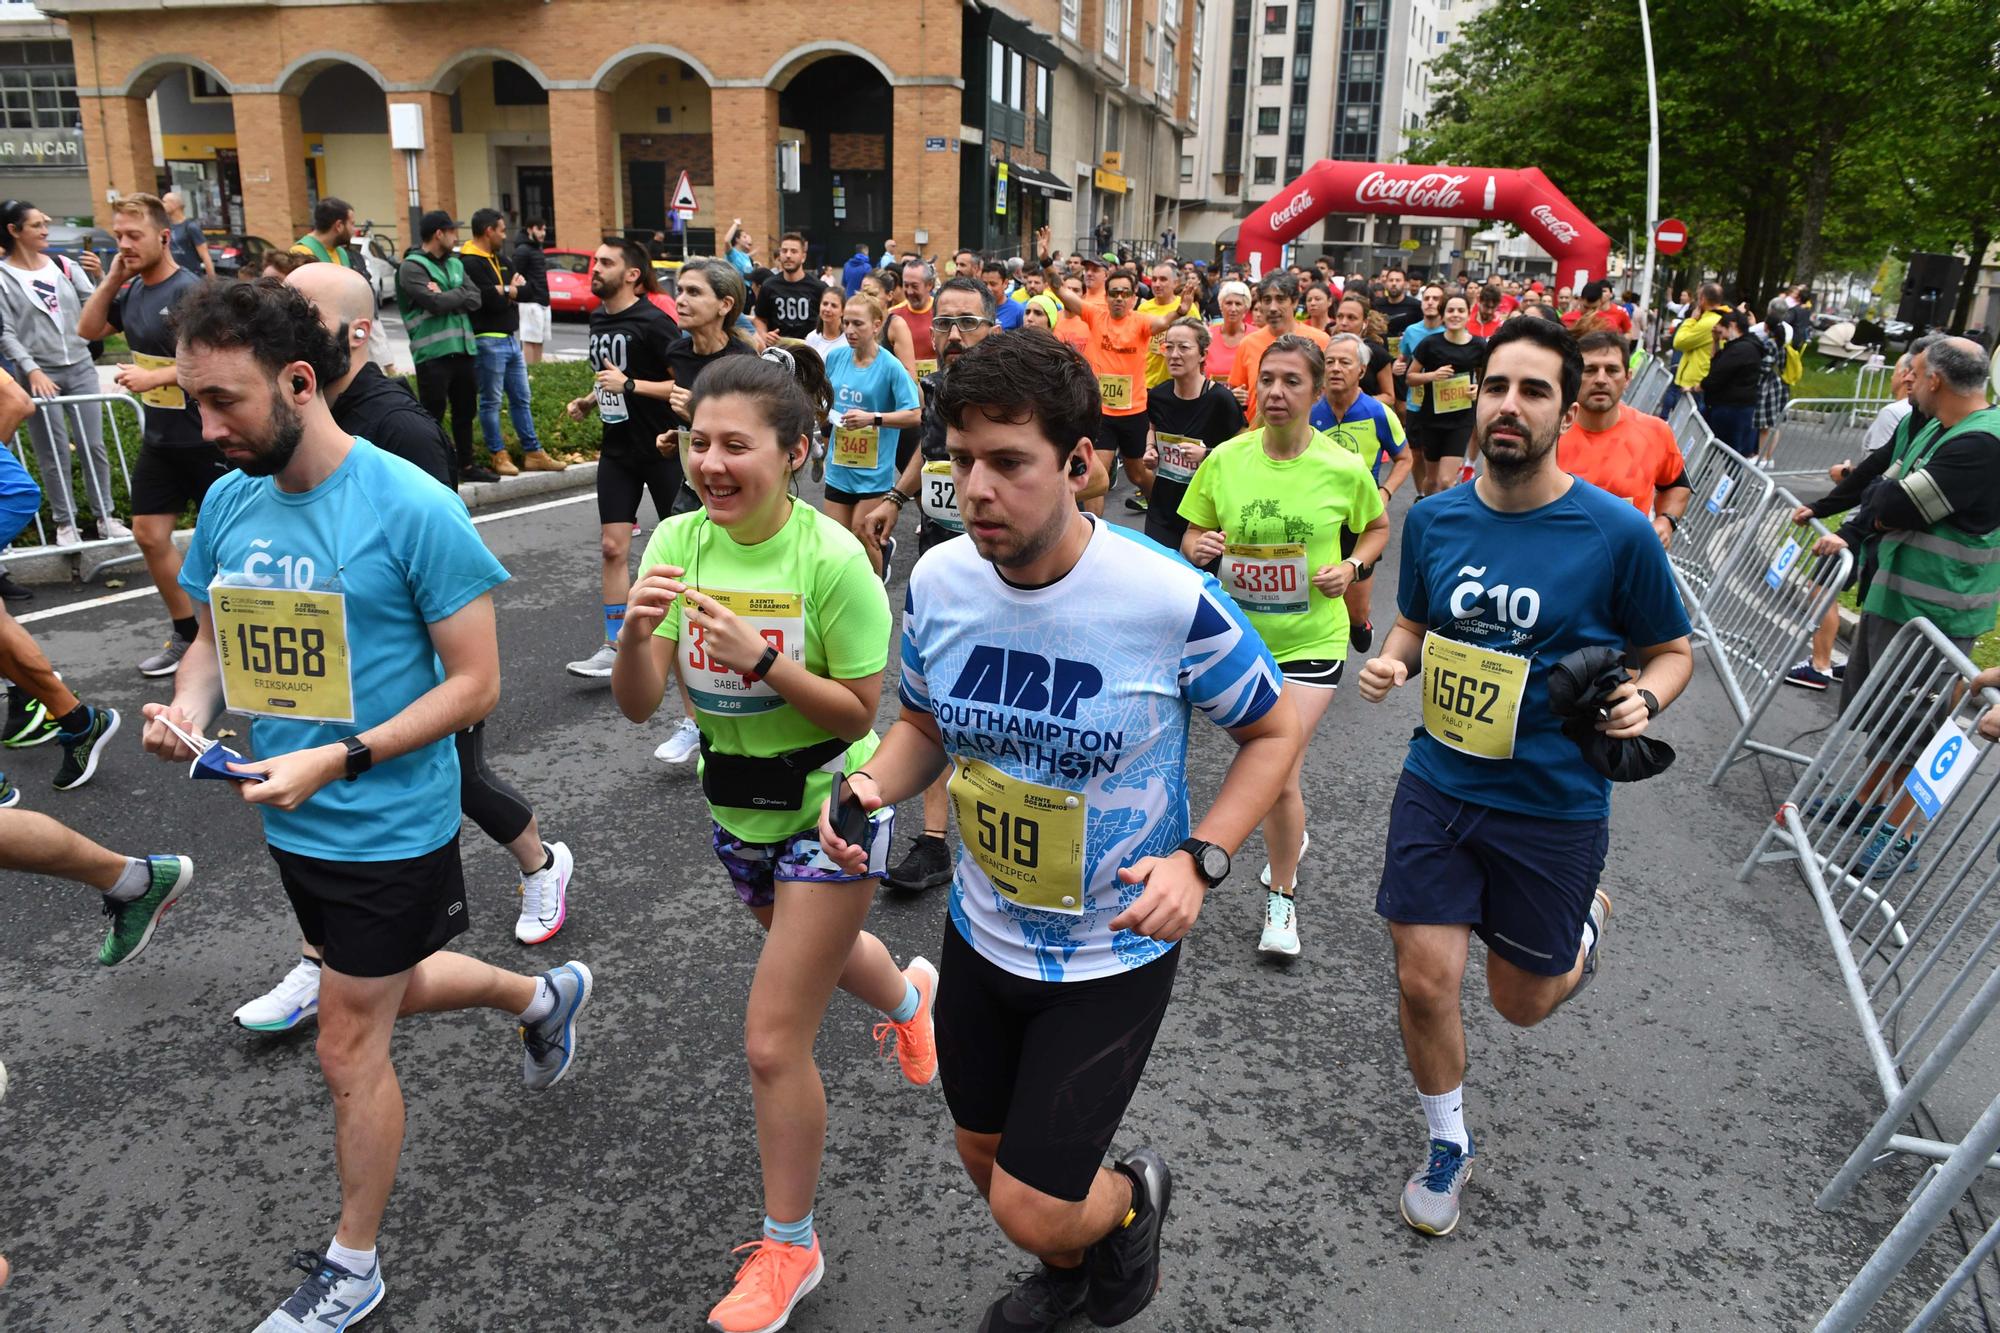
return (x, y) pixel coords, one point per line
(779, 617)
(1179, 457)
(938, 495)
(1270, 578)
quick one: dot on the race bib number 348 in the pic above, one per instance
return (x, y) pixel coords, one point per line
(283, 653)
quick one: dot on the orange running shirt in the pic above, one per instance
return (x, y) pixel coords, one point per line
(1250, 355)
(1633, 459)
(1117, 352)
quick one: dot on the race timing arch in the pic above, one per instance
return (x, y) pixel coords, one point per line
(1524, 197)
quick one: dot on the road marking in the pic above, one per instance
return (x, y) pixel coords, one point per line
(132, 594)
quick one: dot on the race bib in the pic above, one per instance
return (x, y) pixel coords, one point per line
(1116, 391)
(167, 395)
(1453, 394)
(1027, 838)
(283, 652)
(1472, 697)
(1270, 579)
(779, 617)
(611, 407)
(926, 368)
(939, 495)
(855, 447)
(1179, 456)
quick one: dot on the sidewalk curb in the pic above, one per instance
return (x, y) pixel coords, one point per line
(82, 564)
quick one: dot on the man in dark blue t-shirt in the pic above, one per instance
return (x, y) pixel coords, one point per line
(1499, 826)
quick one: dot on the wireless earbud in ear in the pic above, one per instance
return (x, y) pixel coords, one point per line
(298, 384)
(1076, 468)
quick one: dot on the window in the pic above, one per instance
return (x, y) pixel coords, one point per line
(1194, 95)
(996, 73)
(1114, 127)
(1302, 66)
(1146, 47)
(1170, 15)
(1170, 69)
(1306, 15)
(1361, 66)
(1267, 120)
(1072, 17)
(1273, 70)
(1266, 172)
(1367, 13)
(1114, 29)
(1444, 36)
(1360, 119)
(1016, 84)
(1295, 165)
(202, 88)
(1043, 106)
(1200, 21)
(39, 99)
(1298, 118)
(1274, 18)
(1187, 166)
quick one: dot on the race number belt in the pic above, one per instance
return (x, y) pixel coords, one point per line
(855, 447)
(283, 652)
(939, 496)
(779, 617)
(167, 395)
(1271, 579)
(1027, 838)
(1116, 391)
(1452, 394)
(1179, 456)
(1472, 697)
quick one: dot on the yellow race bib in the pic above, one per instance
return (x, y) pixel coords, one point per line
(778, 617)
(1027, 838)
(939, 496)
(1271, 578)
(1452, 394)
(167, 395)
(1472, 697)
(1116, 391)
(855, 446)
(283, 652)
(926, 368)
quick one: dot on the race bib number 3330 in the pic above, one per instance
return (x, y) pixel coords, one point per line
(283, 653)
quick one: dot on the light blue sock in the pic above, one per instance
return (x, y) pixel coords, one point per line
(790, 1233)
(907, 1010)
(614, 620)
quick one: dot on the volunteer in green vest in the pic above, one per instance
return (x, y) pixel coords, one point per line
(1936, 515)
(332, 233)
(437, 303)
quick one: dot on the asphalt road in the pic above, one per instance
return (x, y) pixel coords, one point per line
(1647, 1158)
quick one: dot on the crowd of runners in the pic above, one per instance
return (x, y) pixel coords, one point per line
(1048, 664)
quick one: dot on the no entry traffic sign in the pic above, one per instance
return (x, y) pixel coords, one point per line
(1670, 237)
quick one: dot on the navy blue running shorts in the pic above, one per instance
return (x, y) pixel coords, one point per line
(1523, 883)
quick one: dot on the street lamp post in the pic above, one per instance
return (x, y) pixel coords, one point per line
(1652, 165)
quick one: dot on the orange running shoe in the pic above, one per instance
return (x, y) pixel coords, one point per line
(773, 1279)
(916, 1044)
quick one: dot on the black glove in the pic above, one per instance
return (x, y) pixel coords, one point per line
(1580, 687)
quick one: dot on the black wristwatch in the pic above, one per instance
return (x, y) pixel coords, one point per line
(1652, 702)
(764, 665)
(1210, 861)
(359, 757)
(878, 421)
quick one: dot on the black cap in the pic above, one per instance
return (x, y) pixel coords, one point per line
(435, 221)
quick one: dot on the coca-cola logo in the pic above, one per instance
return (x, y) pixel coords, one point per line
(1559, 229)
(1293, 208)
(1432, 191)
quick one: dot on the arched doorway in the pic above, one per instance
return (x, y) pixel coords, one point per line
(663, 116)
(500, 137)
(192, 110)
(344, 119)
(840, 109)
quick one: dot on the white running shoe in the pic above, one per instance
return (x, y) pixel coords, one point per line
(682, 746)
(1281, 927)
(110, 529)
(288, 1004)
(598, 665)
(545, 899)
(1304, 843)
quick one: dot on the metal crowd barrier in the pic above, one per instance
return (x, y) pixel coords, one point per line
(1816, 433)
(1729, 494)
(1914, 931)
(1690, 428)
(114, 438)
(1649, 386)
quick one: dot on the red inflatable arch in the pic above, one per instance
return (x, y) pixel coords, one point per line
(1523, 197)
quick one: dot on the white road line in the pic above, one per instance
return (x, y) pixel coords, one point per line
(133, 594)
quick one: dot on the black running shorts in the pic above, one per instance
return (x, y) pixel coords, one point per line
(376, 918)
(167, 481)
(1049, 1066)
(1126, 434)
(624, 479)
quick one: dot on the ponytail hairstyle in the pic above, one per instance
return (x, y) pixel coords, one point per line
(13, 213)
(772, 387)
(808, 369)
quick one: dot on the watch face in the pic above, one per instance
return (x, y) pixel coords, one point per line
(1214, 862)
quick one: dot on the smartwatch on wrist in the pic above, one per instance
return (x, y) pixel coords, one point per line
(1210, 861)
(878, 421)
(1652, 702)
(359, 757)
(764, 665)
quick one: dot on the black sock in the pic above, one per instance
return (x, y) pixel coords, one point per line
(76, 719)
(928, 836)
(310, 959)
(549, 858)
(187, 628)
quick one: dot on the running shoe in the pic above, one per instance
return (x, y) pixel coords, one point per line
(771, 1283)
(1305, 843)
(598, 665)
(10, 795)
(286, 1005)
(916, 1045)
(545, 899)
(132, 923)
(1838, 671)
(1600, 920)
(1885, 852)
(168, 660)
(927, 865)
(1844, 810)
(28, 722)
(548, 1045)
(1124, 1267)
(1362, 636)
(81, 749)
(67, 535)
(1135, 504)
(1281, 926)
(11, 591)
(1430, 1199)
(888, 559)
(1808, 677)
(1045, 1298)
(330, 1298)
(682, 746)
(110, 529)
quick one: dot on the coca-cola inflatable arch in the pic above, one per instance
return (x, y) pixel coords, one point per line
(1524, 197)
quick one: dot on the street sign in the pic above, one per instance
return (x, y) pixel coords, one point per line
(934, 143)
(683, 196)
(1670, 237)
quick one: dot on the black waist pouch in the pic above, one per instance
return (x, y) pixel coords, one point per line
(767, 782)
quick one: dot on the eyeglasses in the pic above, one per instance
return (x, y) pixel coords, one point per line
(962, 323)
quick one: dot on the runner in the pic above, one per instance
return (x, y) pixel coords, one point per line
(1188, 417)
(1226, 335)
(1498, 825)
(1366, 428)
(1404, 343)
(136, 890)
(1277, 298)
(1117, 349)
(1165, 301)
(788, 302)
(1630, 454)
(909, 332)
(1059, 950)
(630, 339)
(1317, 305)
(826, 334)
(786, 669)
(326, 552)
(1006, 310)
(1443, 377)
(176, 465)
(1274, 506)
(875, 400)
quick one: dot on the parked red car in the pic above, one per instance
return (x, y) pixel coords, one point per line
(569, 285)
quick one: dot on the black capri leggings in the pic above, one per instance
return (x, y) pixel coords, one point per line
(502, 813)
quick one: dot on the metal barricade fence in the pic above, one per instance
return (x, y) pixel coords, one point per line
(1686, 424)
(1894, 826)
(1730, 493)
(1649, 386)
(1816, 433)
(1760, 611)
(71, 407)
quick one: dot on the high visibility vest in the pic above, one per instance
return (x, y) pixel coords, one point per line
(308, 244)
(433, 335)
(1943, 573)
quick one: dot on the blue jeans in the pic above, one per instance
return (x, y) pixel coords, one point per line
(503, 368)
(1734, 426)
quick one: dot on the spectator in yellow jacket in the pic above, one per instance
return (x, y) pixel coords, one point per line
(1694, 339)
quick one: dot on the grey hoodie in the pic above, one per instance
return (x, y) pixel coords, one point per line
(29, 338)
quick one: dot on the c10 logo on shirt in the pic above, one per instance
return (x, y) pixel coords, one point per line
(1519, 607)
(293, 571)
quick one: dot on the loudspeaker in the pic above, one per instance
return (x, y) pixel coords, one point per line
(1930, 290)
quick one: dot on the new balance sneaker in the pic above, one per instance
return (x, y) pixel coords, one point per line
(1808, 677)
(916, 1045)
(927, 865)
(1362, 636)
(132, 923)
(1124, 1267)
(330, 1298)
(545, 899)
(1600, 920)
(10, 795)
(286, 1005)
(1430, 1199)
(548, 1045)
(1281, 926)
(771, 1283)
(81, 749)
(598, 665)
(1305, 844)
(1885, 852)
(28, 722)
(682, 746)
(1041, 1303)
(168, 660)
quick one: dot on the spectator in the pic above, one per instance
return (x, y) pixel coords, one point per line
(1773, 336)
(1005, 313)
(41, 304)
(1101, 235)
(438, 300)
(278, 263)
(333, 228)
(497, 347)
(1729, 384)
(1798, 314)
(533, 266)
(736, 245)
(185, 237)
(857, 268)
(1695, 340)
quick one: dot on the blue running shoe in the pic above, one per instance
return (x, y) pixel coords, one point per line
(330, 1299)
(1884, 853)
(549, 1044)
(1430, 1199)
